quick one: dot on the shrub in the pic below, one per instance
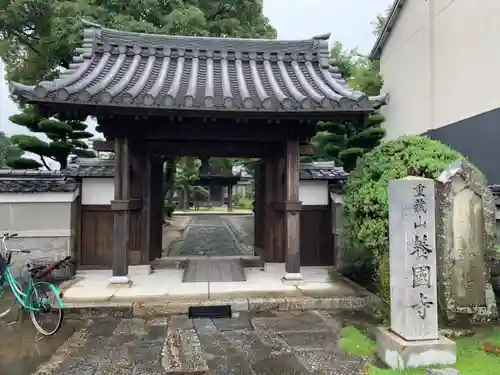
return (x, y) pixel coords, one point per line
(366, 208)
(385, 286)
(245, 203)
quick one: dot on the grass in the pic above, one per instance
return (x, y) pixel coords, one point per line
(471, 359)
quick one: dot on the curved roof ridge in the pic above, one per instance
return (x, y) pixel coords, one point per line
(89, 25)
(314, 45)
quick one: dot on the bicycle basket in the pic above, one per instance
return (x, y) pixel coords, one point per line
(63, 273)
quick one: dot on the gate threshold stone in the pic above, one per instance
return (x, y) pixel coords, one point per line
(214, 270)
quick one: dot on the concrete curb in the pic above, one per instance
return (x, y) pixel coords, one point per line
(375, 301)
(146, 309)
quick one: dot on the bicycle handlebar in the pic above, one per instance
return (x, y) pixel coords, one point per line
(18, 251)
(8, 235)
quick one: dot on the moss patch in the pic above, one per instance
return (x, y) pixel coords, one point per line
(356, 343)
(471, 358)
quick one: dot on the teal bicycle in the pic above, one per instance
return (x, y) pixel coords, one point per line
(41, 299)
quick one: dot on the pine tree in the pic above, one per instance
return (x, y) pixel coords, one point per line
(66, 138)
(345, 141)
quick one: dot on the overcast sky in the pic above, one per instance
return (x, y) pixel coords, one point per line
(348, 21)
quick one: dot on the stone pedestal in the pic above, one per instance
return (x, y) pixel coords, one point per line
(398, 353)
(293, 279)
(120, 281)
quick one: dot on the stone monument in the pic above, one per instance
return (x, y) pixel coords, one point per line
(413, 339)
(465, 239)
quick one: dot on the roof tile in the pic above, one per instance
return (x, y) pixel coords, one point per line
(322, 171)
(34, 181)
(146, 70)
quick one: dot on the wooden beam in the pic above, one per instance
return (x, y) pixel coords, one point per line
(103, 146)
(208, 130)
(241, 149)
(218, 147)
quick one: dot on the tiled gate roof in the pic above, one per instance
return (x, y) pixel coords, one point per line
(118, 68)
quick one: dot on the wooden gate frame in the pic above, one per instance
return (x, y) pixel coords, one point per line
(253, 99)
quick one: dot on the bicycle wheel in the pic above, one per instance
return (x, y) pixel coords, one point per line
(7, 300)
(46, 307)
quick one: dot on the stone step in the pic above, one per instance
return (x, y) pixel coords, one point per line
(180, 262)
(182, 353)
(214, 270)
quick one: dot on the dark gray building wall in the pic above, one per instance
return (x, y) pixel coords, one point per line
(478, 139)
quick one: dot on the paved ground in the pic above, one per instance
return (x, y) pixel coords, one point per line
(275, 344)
(208, 235)
(243, 226)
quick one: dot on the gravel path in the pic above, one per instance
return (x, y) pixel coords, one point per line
(209, 235)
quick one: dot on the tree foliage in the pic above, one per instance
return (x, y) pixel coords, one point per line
(366, 208)
(8, 150)
(346, 141)
(37, 37)
(65, 138)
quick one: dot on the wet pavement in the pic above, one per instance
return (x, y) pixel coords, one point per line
(209, 235)
(23, 349)
(270, 344)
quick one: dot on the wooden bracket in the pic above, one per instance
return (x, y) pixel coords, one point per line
(308, 150)
(293, 206)
(289, 206)
(125, 205)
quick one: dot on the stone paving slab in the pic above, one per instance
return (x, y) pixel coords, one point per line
(278, 343)
(208, 235)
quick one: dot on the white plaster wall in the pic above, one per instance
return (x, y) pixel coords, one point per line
(467, 57)
(38, 197)
(312, 193)
(97, 191)
(404, 65)
(439, 64)
(36, 219)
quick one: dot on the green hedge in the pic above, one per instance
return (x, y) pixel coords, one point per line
(366, 208)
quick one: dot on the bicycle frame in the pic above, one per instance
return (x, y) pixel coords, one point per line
(15, 287)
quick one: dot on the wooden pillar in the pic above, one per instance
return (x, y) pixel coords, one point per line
(259, 209)
(279, 214)
(292, 211)
(147, 205)
(120, 206)
(230, 198)
(269, 217)
(337, 201)
(156, 213)
(136, 252)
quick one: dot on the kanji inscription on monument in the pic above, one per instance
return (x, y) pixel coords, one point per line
(412, 254)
